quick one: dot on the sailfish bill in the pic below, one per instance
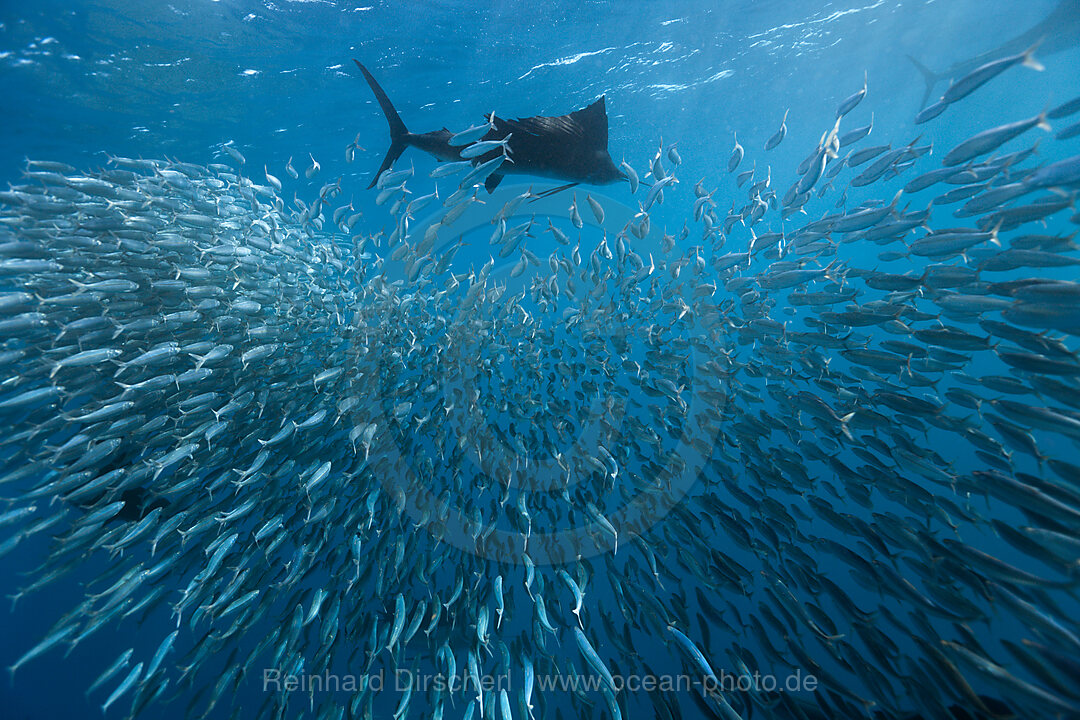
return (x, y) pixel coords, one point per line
(571, 148)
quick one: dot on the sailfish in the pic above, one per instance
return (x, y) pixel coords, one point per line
(1059, 31)
(570, 147)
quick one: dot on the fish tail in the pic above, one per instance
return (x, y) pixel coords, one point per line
(1029, 60)
(929, 76)
(844, 425)
(1040, 122)
(399, 134)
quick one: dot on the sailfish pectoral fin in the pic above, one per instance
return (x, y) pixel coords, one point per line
(552, 191)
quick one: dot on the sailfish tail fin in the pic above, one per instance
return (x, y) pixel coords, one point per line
(929, 77)
(399, 134)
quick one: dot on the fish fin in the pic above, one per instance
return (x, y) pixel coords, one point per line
(1041, 122)
(492, 182)
(930, 77)
(844, 427)
(552, 191)
(399, 134)
(896, 199)
(1029, 56)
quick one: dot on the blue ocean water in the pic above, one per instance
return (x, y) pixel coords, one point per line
(81, 83)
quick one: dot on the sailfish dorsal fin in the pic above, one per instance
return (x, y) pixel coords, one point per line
(594, 122)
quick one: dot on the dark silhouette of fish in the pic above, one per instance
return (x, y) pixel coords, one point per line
(569, 147)
(1059, 31)
(138, 501)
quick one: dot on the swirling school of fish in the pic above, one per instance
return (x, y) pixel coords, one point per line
(315, 456)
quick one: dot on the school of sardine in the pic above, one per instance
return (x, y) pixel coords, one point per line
(316, 449)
